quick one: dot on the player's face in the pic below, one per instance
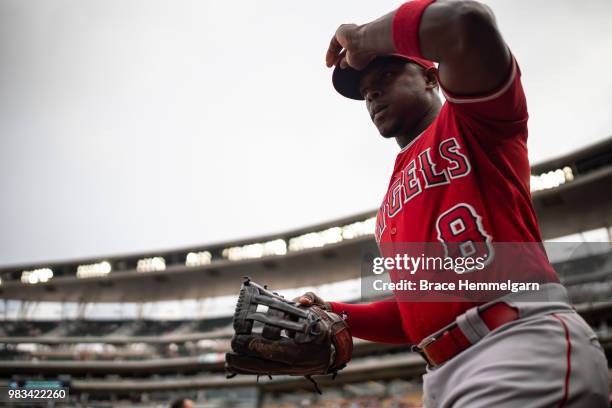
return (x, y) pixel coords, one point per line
(396, 95)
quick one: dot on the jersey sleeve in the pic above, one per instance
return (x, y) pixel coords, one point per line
(380, 322)
(499, 113)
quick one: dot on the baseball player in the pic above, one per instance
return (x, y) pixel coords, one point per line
(462, 174)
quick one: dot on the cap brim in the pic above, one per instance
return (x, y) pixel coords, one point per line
(346, 80)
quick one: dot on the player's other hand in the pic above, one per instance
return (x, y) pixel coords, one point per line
(310, 299)
(347, 48)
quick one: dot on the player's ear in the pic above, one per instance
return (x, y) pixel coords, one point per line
(431, 78)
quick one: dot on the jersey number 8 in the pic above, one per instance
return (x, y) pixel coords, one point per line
(462, 235)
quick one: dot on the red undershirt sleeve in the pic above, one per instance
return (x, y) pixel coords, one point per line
(380, 322)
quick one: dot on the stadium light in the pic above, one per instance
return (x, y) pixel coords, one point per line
(316, 239)
(94, 270)
(198, 258)
(551, 179)
(36, 276)
(359, 228)
(156, 263)
(257, 250)
(332, 235)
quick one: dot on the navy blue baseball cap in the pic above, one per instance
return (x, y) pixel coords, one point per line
(346, 80)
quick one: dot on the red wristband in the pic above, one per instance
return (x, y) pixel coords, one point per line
(406, 23)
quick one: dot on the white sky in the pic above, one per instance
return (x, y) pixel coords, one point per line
(131, 125)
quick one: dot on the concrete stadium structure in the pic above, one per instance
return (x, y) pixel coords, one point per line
(571, 195)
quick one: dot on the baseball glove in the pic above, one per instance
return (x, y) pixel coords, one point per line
(293, 340)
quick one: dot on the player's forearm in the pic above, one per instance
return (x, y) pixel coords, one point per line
(461, 35)
(378, 35)
(379, 321)
(445, 28)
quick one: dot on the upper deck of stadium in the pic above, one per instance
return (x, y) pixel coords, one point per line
(570, 193)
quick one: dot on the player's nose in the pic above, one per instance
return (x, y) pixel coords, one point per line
(372, 94)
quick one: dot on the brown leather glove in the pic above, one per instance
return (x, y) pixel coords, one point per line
(316, 341)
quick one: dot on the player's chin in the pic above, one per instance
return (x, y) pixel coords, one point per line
(387, 129)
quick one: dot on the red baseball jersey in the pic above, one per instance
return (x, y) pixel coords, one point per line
(466, 177)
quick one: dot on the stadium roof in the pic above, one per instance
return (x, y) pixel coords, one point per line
(580, 200)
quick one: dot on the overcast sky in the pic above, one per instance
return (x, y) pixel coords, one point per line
(132, 126)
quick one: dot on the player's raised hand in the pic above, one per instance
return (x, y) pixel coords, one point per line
(356, 45)
(347, 48)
